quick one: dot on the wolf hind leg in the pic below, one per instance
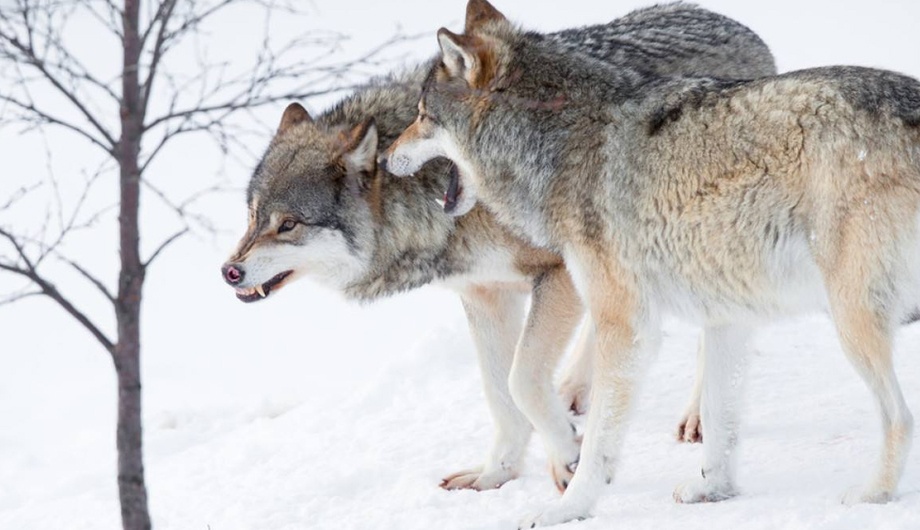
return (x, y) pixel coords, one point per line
(495, 316)
(865, 324)
(724, 371)
(575, 386)
(555, 311)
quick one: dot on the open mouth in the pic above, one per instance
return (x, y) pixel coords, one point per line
(454, 190)
(259, 292)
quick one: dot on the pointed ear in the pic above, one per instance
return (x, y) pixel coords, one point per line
(293, 114)
(458, 53)
(360, 150)
(479, 12)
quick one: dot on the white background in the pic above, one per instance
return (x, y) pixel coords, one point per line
(306, 411)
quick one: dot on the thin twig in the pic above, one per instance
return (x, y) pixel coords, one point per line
(170, 240)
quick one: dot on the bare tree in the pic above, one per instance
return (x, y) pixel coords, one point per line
(152, 99)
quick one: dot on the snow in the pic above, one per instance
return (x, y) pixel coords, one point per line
(305, 411)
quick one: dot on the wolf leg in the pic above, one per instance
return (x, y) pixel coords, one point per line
(865, 334)
(690, 429)
(495, 316)
(575, 387)
(724, 373)
(555, 311)
(628, 336)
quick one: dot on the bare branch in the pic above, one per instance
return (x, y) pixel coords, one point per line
(181, 209)
(39, 116)
(110, 19)
(170, 240)
(241, 103)
(269, 70)
(163, 16)
(31, 56)
(52, 292)
(18, 296)
(21, 254)
(47, 288)
(18, 195)
(92, 279)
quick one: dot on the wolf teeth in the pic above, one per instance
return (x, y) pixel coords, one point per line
(440, 202)
(261, 291)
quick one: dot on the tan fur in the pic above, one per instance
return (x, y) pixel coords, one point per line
(555, 312)
(415, 131)
(293, 114)
(479, 13)
(727, 203)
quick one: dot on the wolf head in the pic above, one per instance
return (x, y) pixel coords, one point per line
(298, 197)
(456, 92)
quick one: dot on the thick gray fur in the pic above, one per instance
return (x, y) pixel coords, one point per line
(673, 39)
(397, 238)
(725, 202)
(416, 243)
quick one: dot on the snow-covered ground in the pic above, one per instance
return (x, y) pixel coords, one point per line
(305, 411)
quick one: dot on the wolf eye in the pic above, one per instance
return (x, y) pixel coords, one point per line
(287, 226)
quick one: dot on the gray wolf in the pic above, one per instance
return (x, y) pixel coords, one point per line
(727, 203)
(320, 207)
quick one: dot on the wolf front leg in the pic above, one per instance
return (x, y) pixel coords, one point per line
(628, 336)
(555, 311)
(724, 372)
(690, 429)
(575, 387)
(495, 316)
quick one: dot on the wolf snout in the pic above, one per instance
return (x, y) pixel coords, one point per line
(395, 164)
(232, 273)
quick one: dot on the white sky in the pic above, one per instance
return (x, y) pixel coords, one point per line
(56, 384)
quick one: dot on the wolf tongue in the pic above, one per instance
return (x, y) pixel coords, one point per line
(453, 189)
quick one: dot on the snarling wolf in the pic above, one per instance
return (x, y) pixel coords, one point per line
(320, 207)
(727, 203)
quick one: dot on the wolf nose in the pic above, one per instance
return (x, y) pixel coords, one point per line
(232, 274)
(382, 162)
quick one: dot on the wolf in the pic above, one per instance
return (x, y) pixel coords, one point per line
(320, 207)
(726, 203)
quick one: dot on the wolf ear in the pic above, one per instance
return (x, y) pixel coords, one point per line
(360, 150)
(293, 114)
(479, 12)
(458, 53)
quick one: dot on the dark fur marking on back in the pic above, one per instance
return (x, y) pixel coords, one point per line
(665, 115)
(880, 93)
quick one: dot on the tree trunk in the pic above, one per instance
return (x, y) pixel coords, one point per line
(132, 490)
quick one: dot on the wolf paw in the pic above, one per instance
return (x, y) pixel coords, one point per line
(557, 514)
(575, 393)
(563, 470)
(690, 429)
(702, 490)
(477, 479)
(866, 496)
